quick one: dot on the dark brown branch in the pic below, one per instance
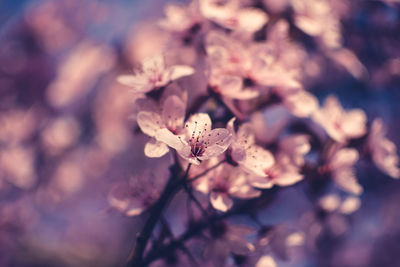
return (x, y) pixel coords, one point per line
(196, 228)
(172, 187)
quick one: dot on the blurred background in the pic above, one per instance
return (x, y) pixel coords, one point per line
(66, 136)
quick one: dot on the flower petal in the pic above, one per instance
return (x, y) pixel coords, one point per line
(257, 160)
(179, 71)
(155, 149)
(149, 122)
(252, 19)
(198, 124)
(155, 63)
(221, 201)
(173, 113)
(218, 140)
(139, 83)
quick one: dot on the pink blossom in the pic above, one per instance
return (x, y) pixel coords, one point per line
(142, 190)
(171, 116)
(154, 74)
(251, 157)
(340, 124)
(223, 184)
(340, 163)
(383, 150)
(179, 18)
(232, 16)
(285, 170)
(198, 142)
(230, 86)
(227, 238)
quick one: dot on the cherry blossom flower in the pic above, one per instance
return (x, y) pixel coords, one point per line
(383, 150)
(251, 157)
(223, 183)
(171, 117)
(340, 163)
(229, 86)
(199, 142)
(285, 169)
(179, 18)
(232, 16)
(278, 174)
(340, 124)
(154, 74)
(317, 18)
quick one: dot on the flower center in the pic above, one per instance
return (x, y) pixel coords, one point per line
(197, 147)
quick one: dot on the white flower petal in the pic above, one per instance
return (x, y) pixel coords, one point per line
(288, 178)
(266, 261)
(179, 71)
(139, 83)
(350, 205)
(173, 113)
(257, 160)
(149, 122)
(155, 149)
(221, 201)
(155, 63)
(199, 123)
(261, 182)
(252, 19)
(343, 158)
(346, 180)
(166, 136)
(301, 104)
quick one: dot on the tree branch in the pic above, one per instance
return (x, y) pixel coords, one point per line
(172, 187)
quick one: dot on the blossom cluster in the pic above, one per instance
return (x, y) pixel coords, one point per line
(200, 133)
(235, 65)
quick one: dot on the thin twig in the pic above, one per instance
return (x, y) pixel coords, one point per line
(181, 246)
(194, 199)
(206, 171)
(172, 187)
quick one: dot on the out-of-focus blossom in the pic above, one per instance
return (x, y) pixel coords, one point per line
(60, 134)
(142, 190)
(286, 168)
(340, 124)
(230, 87)
(17, 166)
(224, 183)
(317, 18)
(346, 206)
(383, 151)
(78, 73)
(154, 75)
(179, 18)
(199, 142)
(17, 126)
(251, 157)
(340, 163)
(266, 261)
(227, 238)
(277, 243)
(232, 16)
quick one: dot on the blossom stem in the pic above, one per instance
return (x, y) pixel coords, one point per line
(172, 187)
(189, 191)
(182, 247)
(206, 171)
